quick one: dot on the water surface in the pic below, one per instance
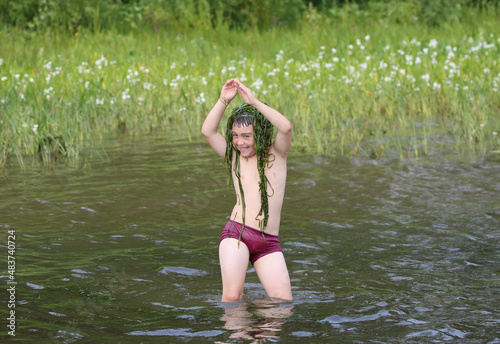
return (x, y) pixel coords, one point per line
(379, 251)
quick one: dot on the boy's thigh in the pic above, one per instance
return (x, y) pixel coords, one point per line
(273, 274)
(233, 258)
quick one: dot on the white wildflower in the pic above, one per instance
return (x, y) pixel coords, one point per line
(257, 84)
(125, 94)
(102, 61)
(201, 98)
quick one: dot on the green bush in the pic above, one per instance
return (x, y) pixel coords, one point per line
(74, 16)
(427, 12)
(435, 12)
(59, 15)
(96, 15)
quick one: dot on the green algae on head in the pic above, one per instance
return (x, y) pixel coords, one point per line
(245, 115)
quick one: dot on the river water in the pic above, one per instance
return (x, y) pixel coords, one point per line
(379, 251)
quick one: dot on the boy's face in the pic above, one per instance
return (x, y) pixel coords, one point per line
(243, 140)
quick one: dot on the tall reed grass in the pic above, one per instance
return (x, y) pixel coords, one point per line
(350, 88)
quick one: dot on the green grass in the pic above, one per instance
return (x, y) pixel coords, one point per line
(349, 88)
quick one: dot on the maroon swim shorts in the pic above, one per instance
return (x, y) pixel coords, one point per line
(253, 239)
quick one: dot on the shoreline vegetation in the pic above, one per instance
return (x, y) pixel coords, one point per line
(351, 81)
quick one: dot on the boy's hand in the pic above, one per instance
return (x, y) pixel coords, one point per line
(246, 93)
(229, 90)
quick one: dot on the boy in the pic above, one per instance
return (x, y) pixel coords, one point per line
(258, 170)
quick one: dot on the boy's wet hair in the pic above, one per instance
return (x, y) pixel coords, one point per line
(245, 115)
(243, 119)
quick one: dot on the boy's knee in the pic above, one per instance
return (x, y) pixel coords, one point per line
(281, 295)
(231, 296)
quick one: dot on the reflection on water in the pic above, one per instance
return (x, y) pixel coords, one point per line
(378, 251)
(256, 320)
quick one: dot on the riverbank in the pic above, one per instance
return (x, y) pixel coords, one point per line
(350, 87)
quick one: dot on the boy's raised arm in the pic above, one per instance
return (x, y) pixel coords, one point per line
(211, 123)
(283, 140)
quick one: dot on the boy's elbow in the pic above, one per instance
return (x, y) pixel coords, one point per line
(204, 131)
(287, 128)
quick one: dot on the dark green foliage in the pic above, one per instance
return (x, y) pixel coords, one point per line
(73, 16)
(245, 14)
(263, 136)
(61, 15)
(52, 145)
(428, 12)
(326, 4)
(434, 12)
(95, 15)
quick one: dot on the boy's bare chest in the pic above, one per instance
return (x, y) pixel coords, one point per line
(249, 172)
(250, 175)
